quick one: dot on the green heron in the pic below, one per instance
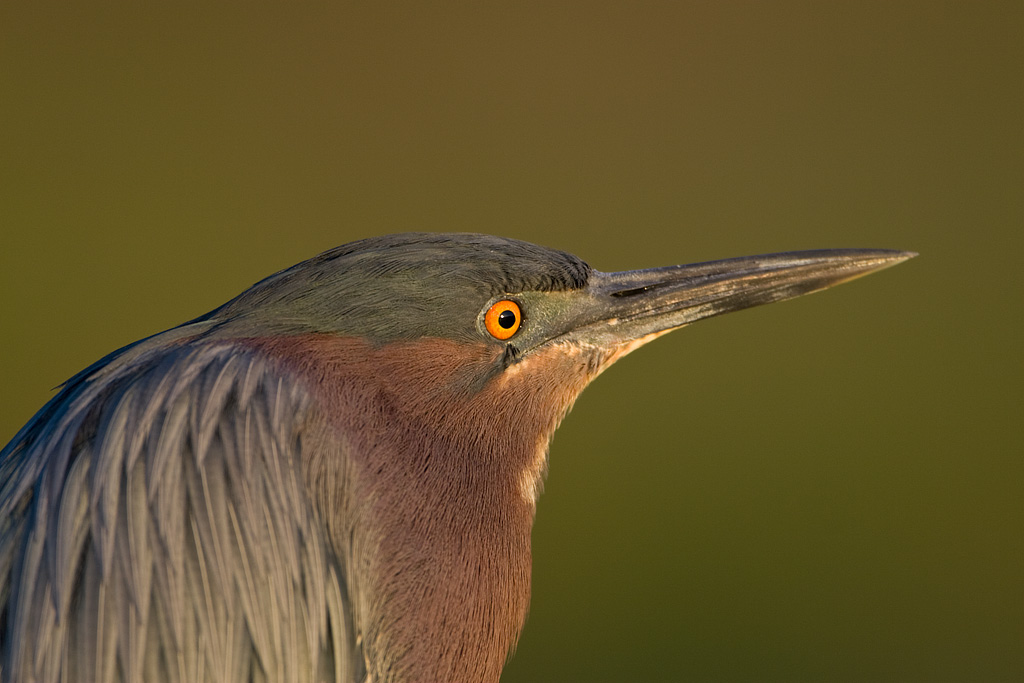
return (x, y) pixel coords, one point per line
(334, 475)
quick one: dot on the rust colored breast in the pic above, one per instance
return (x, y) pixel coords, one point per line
(431, 504)
(435, 454)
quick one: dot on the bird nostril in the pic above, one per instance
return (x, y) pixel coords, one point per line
(630, 292)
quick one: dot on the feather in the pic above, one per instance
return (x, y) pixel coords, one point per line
(155, 528)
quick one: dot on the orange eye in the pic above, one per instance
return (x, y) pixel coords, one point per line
(502, 319)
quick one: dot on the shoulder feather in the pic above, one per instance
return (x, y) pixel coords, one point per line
(154, 526)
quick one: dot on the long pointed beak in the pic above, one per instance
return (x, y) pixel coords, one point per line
(637, 305)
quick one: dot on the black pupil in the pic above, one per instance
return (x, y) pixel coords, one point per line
(506, 319)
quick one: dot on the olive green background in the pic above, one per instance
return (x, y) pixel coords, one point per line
(827, 489)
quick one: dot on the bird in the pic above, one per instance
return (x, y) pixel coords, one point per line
(334, 475)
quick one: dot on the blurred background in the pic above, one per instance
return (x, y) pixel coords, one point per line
(824, 489)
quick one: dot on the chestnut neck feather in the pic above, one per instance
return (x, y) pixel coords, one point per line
(425, 483)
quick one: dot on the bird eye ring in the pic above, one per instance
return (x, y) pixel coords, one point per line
(503, 319)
